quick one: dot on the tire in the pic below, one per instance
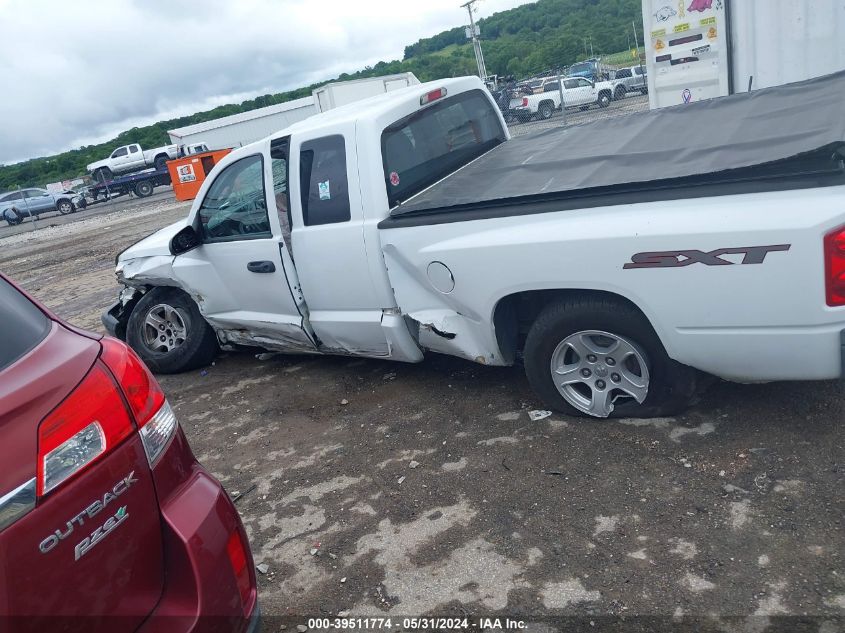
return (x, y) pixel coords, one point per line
(12, 217)
(192, 342)
(545, 111)
(65, 206)
(103, 174)
(604, 99)
(143, 189)
(619, 93)
(160, 162)
(83, 204)
(640, 363)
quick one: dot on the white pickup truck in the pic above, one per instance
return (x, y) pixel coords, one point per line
(577, 92)
(129, 158)
(615, 270)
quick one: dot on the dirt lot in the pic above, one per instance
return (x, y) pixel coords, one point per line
(379, 488)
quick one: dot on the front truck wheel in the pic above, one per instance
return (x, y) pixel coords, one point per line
(601, 358)
(168, 332)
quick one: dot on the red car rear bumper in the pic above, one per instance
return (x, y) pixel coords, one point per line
(200, 592)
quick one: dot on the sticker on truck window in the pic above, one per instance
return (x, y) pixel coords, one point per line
(325, 190)
(394, 179)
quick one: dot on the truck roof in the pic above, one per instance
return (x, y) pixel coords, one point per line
(373, 107)
(787, 130)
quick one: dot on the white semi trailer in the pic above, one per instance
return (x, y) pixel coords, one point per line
(700, 49)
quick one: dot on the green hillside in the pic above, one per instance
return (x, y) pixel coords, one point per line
(519, 42)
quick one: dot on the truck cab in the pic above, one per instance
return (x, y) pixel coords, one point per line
(281, 248)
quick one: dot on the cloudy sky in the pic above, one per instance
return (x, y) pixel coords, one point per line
(79, 72)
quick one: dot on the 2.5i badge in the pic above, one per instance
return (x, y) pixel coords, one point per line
(101, 532)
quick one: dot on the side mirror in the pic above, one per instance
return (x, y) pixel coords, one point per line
(184, 241)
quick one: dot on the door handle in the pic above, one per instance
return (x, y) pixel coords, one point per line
(261, 267)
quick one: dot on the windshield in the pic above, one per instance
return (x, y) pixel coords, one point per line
(421, 149)
(583, 67)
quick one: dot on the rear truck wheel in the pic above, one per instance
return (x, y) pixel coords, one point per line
(160, 162)
(65, 206)
(143, 189)
(103, 174)
(604, 99)
(546, 110)
(594, 357)
(619, 93)
(168, 332)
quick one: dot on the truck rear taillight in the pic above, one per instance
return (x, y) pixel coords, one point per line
(432, 96)
(153, 415)
(834, 262)
(524, 102)
(236, 550)
(87, 425)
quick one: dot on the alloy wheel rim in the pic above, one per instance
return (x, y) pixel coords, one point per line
(164, 329)
(595, 370)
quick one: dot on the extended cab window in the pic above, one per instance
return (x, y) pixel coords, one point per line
(421, 149)
(133, 149)
(324, 187)
(623, 74)
(235, 207)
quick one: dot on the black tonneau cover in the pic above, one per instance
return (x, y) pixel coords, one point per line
(774, 125)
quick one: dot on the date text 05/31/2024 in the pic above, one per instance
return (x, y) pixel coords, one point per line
(411, 624)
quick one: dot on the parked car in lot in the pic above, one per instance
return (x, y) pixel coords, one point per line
(577, 92)
(634, 78)
(16, 206)
(107, 521)
(617, 270)
(131, 158)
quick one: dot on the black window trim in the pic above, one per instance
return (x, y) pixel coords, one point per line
(285, 143)
(234, 238)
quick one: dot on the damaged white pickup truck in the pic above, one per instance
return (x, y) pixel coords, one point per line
(617, 260)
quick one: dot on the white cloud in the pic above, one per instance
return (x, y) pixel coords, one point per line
(80, 72)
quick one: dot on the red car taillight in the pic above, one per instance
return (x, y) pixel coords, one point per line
(87, 425)
(152, 413)
(236, 550)
(834, 262)
(93, 420)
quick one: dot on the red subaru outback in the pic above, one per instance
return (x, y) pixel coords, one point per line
(107, 520)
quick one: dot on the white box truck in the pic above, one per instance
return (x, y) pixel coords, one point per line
(341, 93)
(699, 49)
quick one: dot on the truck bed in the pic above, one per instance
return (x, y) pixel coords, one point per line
(779, 138)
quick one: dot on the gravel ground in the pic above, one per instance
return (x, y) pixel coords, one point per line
(394, 490)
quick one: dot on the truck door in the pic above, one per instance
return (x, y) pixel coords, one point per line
(345, 310)
(135, 158)
(585, 91)
(120, 159)
(241, 275)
